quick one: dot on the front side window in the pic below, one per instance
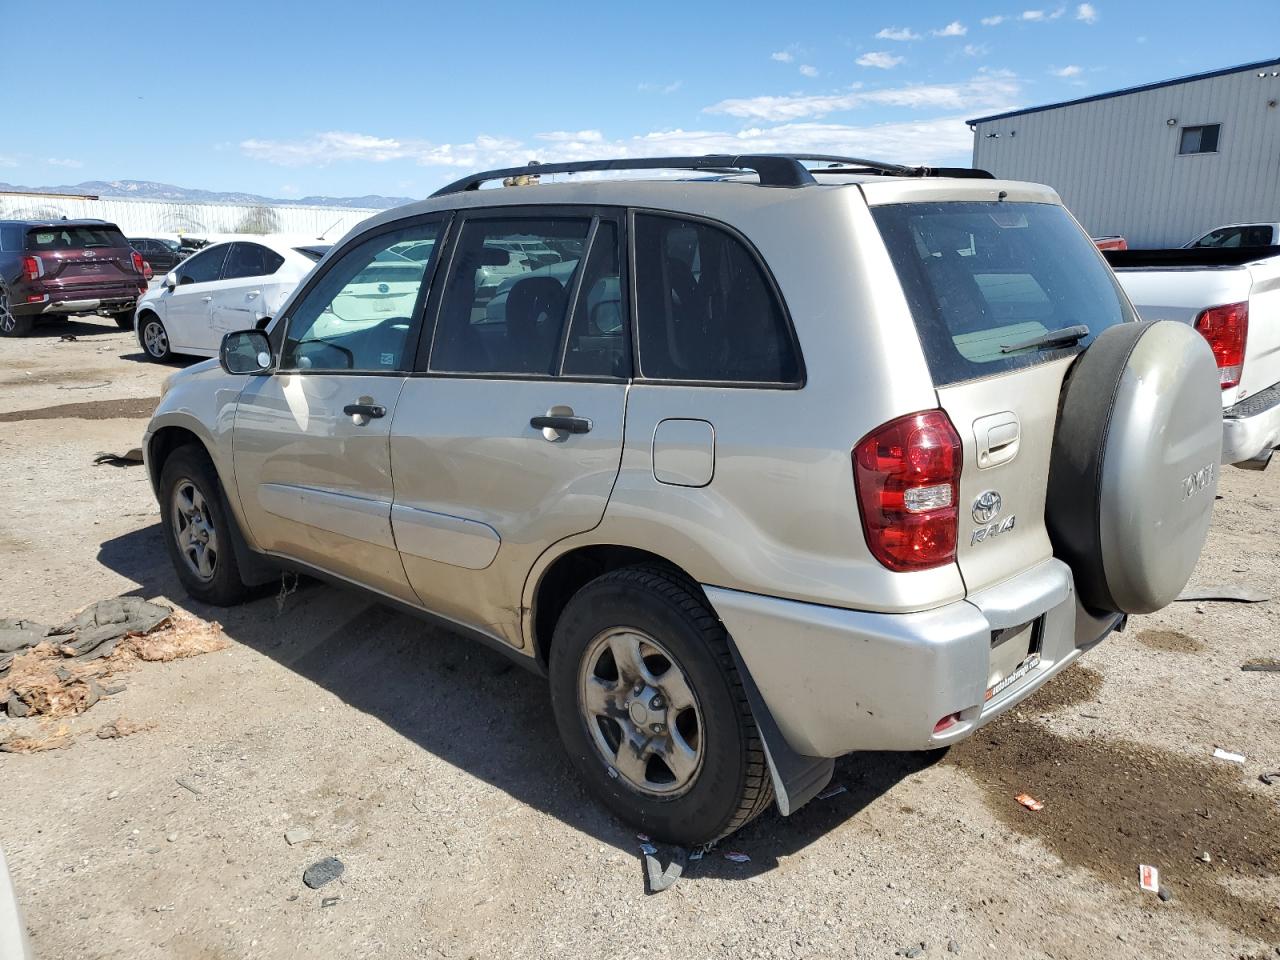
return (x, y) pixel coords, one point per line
(1200, 139)
(981, 278)
(704, 308)
(250, 260)
(362, 314)
(204, 267)
(507, 297)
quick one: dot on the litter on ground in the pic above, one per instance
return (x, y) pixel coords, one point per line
(734, 856)
(1237, 593)
(1261, 665)
(1028, 801)
(1148, 878)
(1227, 755)
(835, 791)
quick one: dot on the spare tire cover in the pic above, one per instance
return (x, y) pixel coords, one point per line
(1134, 467)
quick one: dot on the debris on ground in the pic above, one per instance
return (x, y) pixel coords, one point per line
(734, 856)
(1148, 878)
(953, 946)
(1227, 755)
(1164, 894)
(67, 338)
(55, 740)
(296, 835)
(659, 878)
(322, 872)
(1271, 778)
(1261, 665)
(834, 791)
(128, 458)
(1237, 593)
(330, 901)
(186, 783)
(1028, 801)
(1205, 857)
(122, 727)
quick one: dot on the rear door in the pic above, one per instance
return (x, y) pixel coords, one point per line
(240, 297)
(312, 463)
(188, 307)
(508, 437)
(981, 278)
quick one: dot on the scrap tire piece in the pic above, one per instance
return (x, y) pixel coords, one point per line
(191, 464)
(1135, 465)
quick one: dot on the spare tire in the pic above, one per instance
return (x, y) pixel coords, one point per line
(1134, 467)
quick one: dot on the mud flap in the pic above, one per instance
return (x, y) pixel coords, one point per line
(797, 779)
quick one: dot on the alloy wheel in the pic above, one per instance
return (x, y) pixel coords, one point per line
(155, 339)
(641, 712)
(194, 531)
(7, 320)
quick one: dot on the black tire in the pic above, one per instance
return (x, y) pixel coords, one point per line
(12, 325)
(123, 320)
(732, 784)
(154, 338)
(190, 465)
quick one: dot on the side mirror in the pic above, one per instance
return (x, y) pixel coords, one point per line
(245, 352)
(170, 280)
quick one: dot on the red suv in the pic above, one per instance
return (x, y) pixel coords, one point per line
(57, 268)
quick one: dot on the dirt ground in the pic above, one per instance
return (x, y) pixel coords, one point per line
(432, 769)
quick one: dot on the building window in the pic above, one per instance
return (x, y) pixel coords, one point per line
(1199, 139)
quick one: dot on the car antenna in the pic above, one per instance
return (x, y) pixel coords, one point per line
(328, 228)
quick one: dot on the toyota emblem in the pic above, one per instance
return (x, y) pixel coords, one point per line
(986, 507)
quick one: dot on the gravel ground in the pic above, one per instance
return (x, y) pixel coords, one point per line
(432, 769)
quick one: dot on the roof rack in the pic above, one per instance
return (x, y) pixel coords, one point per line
(774, 169)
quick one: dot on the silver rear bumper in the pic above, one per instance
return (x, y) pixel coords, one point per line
(840, 680)
(1251, 429)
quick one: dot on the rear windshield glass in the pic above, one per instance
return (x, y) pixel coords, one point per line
(74, 238)
(981, 278)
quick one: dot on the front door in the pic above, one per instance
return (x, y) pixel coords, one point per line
(312, 463)
(509, 437)
(189, 305)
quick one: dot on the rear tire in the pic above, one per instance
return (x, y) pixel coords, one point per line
(123, 320)
(198, 529)
(671, 691)
(154, 338)
(12, 325)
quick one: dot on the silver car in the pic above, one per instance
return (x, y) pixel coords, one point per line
(795, 460)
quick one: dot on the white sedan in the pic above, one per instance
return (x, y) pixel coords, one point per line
(225, 287)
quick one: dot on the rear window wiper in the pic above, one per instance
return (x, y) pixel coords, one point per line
(1054, 338)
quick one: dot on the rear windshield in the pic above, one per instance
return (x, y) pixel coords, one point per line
(313, 253)
(74, 238)
(982, 277)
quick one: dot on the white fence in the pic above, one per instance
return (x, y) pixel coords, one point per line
(141, 218)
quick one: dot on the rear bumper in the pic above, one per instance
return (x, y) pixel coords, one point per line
(1251, 429)
(840, 680)
(81, 298)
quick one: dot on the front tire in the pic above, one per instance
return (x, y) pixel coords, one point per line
(197, 529)
(154, 338)
(651, 709)
(12, 325)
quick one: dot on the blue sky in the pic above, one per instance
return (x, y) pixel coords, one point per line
(398, 98)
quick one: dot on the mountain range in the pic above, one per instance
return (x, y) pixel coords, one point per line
(151, 190)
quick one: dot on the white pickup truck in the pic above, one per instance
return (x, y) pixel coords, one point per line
(1232, 296)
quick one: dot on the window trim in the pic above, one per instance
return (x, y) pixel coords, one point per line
(336, 254)
(1182, 130)
(637, 362)
(594, 213)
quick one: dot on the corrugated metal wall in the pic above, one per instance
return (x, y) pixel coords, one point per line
(1115, 162)
(148, 217)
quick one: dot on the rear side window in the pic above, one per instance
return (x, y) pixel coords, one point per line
(250, 260)
(74, 238)
(981, 278)
(705, 310)
(11, 238)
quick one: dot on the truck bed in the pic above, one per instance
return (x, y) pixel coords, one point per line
(1189, 257)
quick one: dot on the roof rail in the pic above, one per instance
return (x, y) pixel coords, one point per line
(774, 169)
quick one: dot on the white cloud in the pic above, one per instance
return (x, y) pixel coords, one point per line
(1087, 13)
(1033, 15)
(994, 90)
(993, 21)
(782, 56)
(953, 29)
(897, 33)
(8, 162)
(1071, 70)
(808, 71)
(648, 87)
(976, 50)
(878, 58)
(60, 162)
(334, 146)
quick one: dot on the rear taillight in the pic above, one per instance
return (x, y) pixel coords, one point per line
(1227, 330)
(137, 261)
(32, 268)
(907, 475)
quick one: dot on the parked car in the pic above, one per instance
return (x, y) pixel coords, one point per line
(14, 943)
(55, 269)
(1229, 294)
(866, 457)
(1240, 235)
(1111, 243)
(163, 255)
(224, 287)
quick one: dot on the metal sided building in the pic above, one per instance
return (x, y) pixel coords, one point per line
(1159, 164)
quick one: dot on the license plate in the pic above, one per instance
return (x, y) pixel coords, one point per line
(1025, 667)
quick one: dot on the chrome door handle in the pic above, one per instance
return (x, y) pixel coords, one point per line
(251, 294)
(563, 424)
(206, 299)
(370, 411)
